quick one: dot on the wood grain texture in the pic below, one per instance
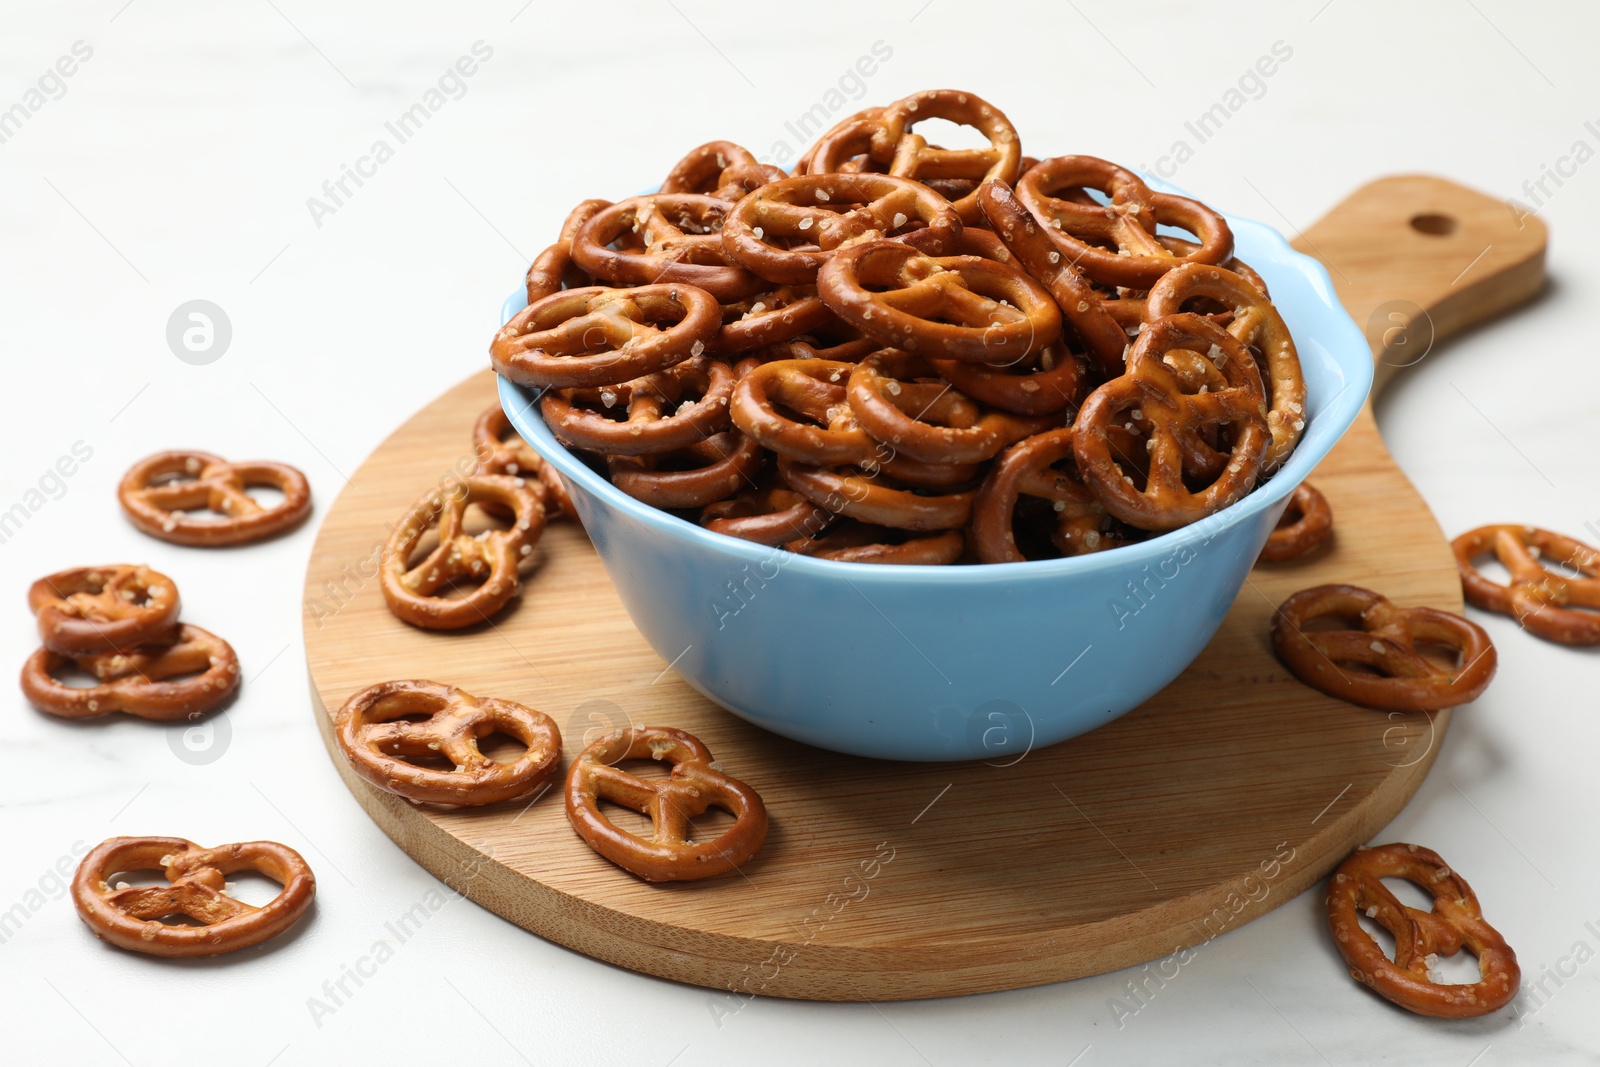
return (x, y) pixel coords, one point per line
(1232, 791)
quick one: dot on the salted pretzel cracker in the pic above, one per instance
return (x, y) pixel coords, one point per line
(779, 314)
(1542, 600)
(553, 270)
(159, 489)
(770, 514)
(949, 307)
(693, 785)
(1081, 305)
(680, 238)
(1153, 395)
(879, 500)
(721, 169)
(1081, 228)
(596, 335)
(770, 401)
(948, 428)
(103, 609)
(384, 735)
(415, 593)
(501, 450)
(184, 674)
(661, 412)
(1375, 661)
(1043, 467)
(1455, 922)
(909, 155)
(1256, 324)
(1047, 383)
(1305, 525)
(851, 541)
(133, 916)
(703, 473)
(786, 231)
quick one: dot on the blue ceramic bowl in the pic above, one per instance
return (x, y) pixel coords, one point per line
(964, 662)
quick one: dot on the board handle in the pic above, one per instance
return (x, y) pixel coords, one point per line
(1417, 258)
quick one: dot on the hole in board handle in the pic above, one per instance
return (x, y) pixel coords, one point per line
(1433, 224)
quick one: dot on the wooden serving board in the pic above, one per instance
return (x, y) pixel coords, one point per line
(1232, 791)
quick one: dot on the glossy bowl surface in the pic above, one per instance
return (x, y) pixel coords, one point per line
(965, 662)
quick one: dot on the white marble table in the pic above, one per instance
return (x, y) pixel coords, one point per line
(179, 161)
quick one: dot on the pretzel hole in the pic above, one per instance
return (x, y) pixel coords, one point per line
(710, 824)
(950, 136)
(1378, 932)
(267, 497)
(627, 820)
(645, 768)
(144, 876)
(253, 888)
(502, 747)
(74, 677)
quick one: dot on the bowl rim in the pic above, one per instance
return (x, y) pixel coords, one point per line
(1336, 332)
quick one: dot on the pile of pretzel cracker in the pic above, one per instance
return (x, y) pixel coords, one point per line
(904, 353)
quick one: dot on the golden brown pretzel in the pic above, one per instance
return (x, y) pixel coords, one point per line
(850, 541)
(1540, 599)
(414, 592)
(949, 428)
(772, 317)
(845, 148)
(601, 336)
(184, 674)
(1080, 303)
(1042, 467)
(910, 156)
(693, 785)
(158, 489)
(878, 500)
(1306, 523)
(1115, 243)
(553, 270)
(679, 239)
(701, 167)
(1420, 937)
(103, 609)
(786, 231)
(1046, 383)
(132, 917)
(1257, 324)
(1153, 394)
(501, 450)
(768, 399)
(1375, 661)
(661, 412)
(703, 473)
(770, 514)
(951, 307)
(403, 736)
